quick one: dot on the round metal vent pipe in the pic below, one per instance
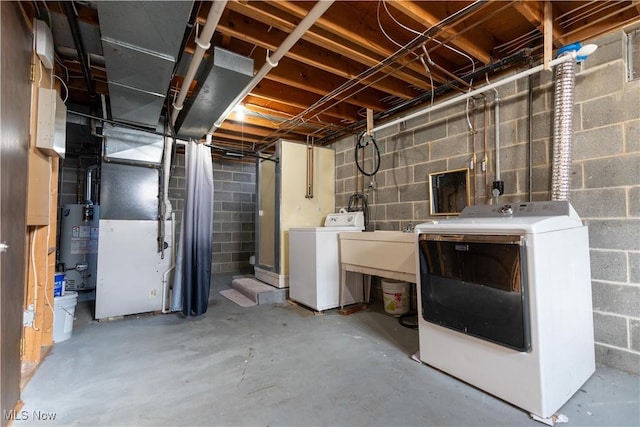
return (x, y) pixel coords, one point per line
(563, 125)
(563, 119)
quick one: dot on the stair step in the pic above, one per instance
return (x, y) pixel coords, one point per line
(259, 292)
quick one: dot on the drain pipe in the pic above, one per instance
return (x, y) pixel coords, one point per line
(530, 131)
(497, 187)
(203, 43)
(166, 283)
(272, 61)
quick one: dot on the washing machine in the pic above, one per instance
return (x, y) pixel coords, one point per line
(504, 301)
(314, 263)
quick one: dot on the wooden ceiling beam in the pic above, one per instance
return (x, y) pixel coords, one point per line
(295, 74)
(283, 112)
(251, 131)
(326, 40)
(252, 119)
(413, 10)
(533, 11)
(361, 37)
(302, 99)
(257, 34)
(278, 121)
(619, 18)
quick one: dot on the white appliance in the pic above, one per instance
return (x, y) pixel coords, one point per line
(504, 300)
(130, 268)
(314, 263)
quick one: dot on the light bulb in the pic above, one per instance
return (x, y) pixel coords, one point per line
(240, 111)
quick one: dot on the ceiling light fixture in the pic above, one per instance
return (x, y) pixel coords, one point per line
(240, 111)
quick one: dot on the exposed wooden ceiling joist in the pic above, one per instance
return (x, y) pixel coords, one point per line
(350, 59)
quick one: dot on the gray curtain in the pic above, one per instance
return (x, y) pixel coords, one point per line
(193, 263)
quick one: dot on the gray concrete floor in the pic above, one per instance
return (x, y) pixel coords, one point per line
(277, 364)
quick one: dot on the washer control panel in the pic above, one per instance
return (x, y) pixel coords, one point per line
(345, 219)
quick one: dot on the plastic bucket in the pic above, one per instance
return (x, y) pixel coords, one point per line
(63, 314)
(58, 284)
(396, 297)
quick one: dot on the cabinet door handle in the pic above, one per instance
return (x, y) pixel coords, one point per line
(3, 247)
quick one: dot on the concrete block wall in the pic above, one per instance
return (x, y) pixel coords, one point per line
(234, 206)
(605, 176)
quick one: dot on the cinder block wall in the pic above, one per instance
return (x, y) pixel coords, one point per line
(234, 205)
(605, 176)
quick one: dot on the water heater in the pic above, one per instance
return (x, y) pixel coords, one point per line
(79, 245)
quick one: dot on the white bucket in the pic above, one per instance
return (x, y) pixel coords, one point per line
(63, 313)
(396, 296)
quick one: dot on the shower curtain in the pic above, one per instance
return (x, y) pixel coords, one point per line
(193, 263)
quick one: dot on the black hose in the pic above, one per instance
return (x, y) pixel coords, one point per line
(358, 202)
(362, 144)
(409, 320)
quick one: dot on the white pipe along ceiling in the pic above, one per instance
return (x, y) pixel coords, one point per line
(203, 43)
(272, 61)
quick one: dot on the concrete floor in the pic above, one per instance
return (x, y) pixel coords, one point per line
(277, 364)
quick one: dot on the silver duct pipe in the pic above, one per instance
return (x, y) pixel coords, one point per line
(562, 129)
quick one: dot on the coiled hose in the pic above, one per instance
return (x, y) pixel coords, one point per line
(361, 144)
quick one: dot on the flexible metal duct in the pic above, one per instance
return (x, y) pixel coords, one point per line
(563, 128)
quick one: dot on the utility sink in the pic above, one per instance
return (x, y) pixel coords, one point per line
(389, 254)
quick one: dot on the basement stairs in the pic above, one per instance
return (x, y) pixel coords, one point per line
(247, 291)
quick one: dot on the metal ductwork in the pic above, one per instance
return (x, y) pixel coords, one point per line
(563, 128)
(141, 43)
(228, 76)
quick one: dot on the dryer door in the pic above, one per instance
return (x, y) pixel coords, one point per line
(476, 285)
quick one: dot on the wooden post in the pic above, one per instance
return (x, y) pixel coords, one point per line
(548, 34)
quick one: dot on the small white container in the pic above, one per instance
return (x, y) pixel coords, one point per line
(396, 297)
(63, 315)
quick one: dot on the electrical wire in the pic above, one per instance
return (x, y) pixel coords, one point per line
(40, 73)
(451, 48)
(433, 88)
(66, 89)
(35, 278)
(372, 70)
(46, 277)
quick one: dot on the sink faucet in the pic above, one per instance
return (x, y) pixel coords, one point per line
(408, 228)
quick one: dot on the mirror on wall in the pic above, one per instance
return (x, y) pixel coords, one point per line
(449, 191)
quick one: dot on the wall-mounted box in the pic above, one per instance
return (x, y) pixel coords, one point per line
(43, 43)
(51, 131)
